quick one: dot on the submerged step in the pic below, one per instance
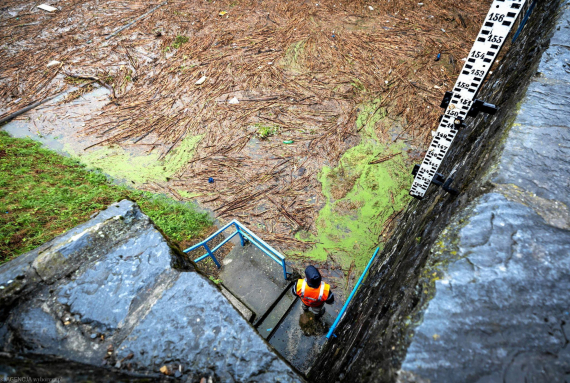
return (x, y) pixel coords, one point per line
(247, 313)
(275, 315)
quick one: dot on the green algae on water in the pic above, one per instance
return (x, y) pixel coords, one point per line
(121, 164)
(293, 56)
(186, 194)
(359, 197)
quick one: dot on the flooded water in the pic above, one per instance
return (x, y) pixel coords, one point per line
(58, 125)
(359, 197)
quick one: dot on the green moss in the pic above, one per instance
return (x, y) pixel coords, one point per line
(359, 197)
(179, 41)
(356, 83)
(266, 131)
(186, 194)
(47, 264)
(120, 164)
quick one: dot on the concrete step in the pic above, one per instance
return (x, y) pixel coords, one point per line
(253, 277)
(267, 324)
(300, 336)
(240, 306)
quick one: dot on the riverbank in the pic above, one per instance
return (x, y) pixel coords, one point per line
(43, 194)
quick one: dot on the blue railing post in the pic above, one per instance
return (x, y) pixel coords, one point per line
(240, 234)
(212, 256)
(523, 22)
(284, 268)
(244, 234)
(351, 295)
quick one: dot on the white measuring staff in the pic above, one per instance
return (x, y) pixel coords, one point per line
(497, 25)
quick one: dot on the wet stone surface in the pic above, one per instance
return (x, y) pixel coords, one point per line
(475, 288)
(130, 268)
(253, 277)
(500, 311)
(301, 336)
(114, 292)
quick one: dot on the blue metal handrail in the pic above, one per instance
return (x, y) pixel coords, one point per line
(339, 316)
(243, 233)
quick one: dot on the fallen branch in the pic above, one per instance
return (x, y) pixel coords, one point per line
(32, 106)
(134, 21)
(383, 159)
(96, 79)
(29, 107)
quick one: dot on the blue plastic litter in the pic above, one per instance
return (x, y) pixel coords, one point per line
(438, 57)
(210, 180)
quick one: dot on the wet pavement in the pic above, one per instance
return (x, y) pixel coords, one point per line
(301, 336)
(258, 283)
(253, 277)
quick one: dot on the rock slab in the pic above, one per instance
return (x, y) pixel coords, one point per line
(114, 292)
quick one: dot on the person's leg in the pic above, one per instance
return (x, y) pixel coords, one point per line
(304, 306)
(318, 311)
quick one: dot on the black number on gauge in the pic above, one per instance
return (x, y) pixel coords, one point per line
(477, 72)
(495, 39)
(478, 55)
(496, 17)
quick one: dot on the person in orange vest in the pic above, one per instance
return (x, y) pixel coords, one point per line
(314, 293)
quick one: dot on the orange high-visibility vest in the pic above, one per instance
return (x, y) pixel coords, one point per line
(310, 296)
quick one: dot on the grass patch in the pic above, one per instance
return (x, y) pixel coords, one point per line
(179, 41)
(43, 194)
(265, 131)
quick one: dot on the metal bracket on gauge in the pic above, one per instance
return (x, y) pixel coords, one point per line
(481, 106)
(476, 107)
(440, 180)
(446, 99)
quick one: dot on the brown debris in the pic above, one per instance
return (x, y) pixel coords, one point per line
(384, 158)
(301, 68)
(166, 370)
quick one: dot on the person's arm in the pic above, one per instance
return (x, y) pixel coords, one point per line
(330, 299)
(294, 289)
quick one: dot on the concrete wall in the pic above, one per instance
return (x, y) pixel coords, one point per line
(475, 287)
